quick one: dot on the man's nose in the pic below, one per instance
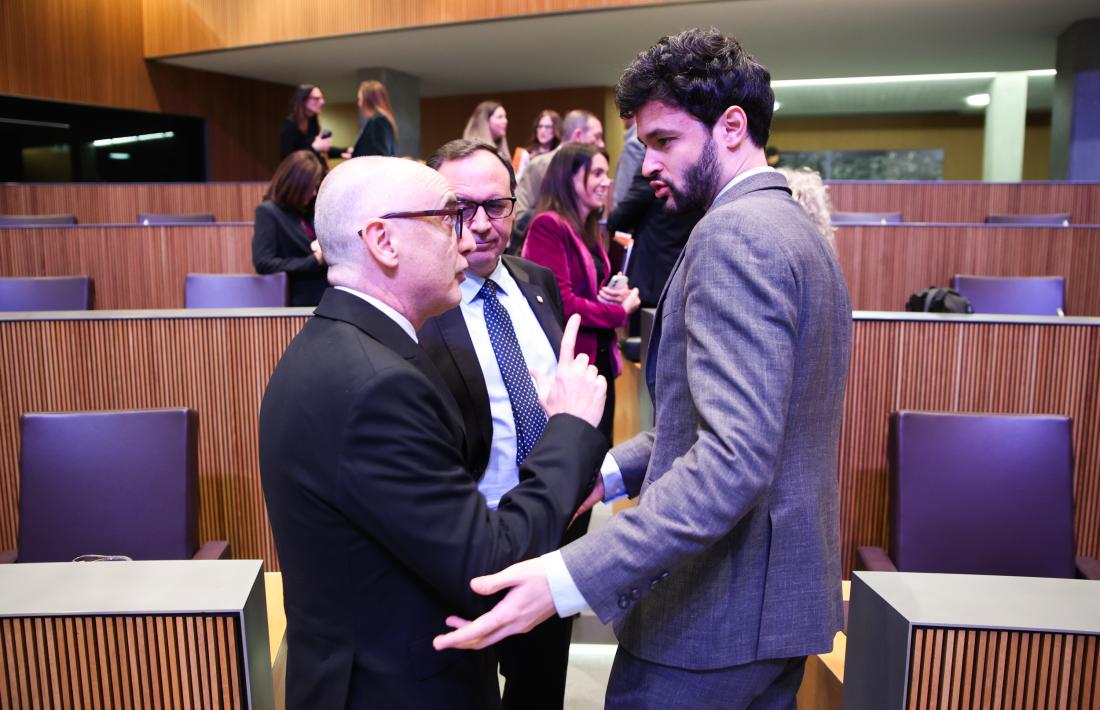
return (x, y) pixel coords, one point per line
(651, 167)
(480, 224)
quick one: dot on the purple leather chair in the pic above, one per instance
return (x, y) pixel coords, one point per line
(1060, 219)
(46, 293)
(110, 483)
(865, 217)
(235, 291)
(35, 220)
(150, 218)
(980, 494)
(1019, 295)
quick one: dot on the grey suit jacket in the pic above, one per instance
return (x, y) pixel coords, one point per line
(732, 554)
(447, 342)
(527, 197)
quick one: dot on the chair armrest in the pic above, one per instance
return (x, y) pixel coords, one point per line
(214, 550)
(874, 559)
(8, 556)
(1088, 568)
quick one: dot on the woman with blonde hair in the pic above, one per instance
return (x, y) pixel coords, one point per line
(489, 124)
(379, 133)
(810, 191)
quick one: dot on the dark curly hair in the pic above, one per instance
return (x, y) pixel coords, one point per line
(703, 72)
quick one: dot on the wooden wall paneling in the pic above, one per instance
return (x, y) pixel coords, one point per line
(974, 669)
(131, 267)
(120, 662)
(884, 265)
(968, 201)
(219, 366)
(119, 203)
(185, 26)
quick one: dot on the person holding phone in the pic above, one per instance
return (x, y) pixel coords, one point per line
(564, 237)
(302, 127)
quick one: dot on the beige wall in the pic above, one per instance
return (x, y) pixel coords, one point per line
(960, 136)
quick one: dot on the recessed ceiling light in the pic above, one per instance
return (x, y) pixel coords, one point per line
(904, 78)
(977, 100)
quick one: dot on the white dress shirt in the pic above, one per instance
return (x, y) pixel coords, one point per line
(393, 315)
(568, 600)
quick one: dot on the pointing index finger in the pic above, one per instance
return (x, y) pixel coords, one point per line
(569, 339)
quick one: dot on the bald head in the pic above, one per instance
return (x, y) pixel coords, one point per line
(361, 189)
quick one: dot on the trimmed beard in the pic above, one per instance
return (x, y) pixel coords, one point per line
(700, 182)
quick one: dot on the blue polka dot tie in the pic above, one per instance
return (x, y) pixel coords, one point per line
(526, 411)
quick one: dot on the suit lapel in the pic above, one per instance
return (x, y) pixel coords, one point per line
(343, 306)
(456, 336)
(539, 301)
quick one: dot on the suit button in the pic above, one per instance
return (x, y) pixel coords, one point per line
(653, 583)
(623, 602)
(635, 594)
(664, 575)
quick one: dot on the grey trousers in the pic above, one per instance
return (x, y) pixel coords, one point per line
(637, 684)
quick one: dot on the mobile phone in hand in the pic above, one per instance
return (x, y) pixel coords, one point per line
(617, 282)
(326, 133)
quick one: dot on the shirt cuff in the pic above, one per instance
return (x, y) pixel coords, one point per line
(613, 485)
(568, 600)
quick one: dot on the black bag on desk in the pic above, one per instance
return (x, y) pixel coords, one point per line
(937, 299)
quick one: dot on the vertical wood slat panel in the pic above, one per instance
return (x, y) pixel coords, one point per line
(131, 267)
(144, 267)
(884, 265)
(120, 203)
(1047, 670)
(32, 650)
(220, 366)
(968, 201)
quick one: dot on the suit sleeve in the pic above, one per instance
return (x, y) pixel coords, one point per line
(403, 479)
(527, 196)
(741, 317)
(265, 248)
(546, 244)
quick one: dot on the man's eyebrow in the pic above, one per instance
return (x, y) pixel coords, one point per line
(654, 133)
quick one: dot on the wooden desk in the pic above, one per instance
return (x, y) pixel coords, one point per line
(276, 635)
(823, 682)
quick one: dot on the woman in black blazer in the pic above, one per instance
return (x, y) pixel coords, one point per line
(283, 239)
(302, 128)
(379, 133)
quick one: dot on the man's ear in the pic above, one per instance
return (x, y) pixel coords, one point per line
(379, 243)
(732, 128)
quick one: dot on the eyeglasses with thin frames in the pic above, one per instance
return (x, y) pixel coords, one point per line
(496, 208)
(452, 218)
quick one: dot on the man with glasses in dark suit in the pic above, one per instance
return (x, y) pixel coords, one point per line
(467, 346)
(377, 518)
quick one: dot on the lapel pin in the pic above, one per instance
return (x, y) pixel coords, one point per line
(538, 298)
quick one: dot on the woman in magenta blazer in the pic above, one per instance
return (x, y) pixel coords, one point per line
(564, 237)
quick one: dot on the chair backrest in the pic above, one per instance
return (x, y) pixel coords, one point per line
(150, 218)
(34, 220)
(1020, 295)
(235, 291)
(46, 293)
(865, 217)
(110, 483)
(1060, 219)
(981, 494)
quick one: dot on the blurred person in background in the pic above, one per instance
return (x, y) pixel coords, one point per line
(810, 191)
(630, 160)
(564, 237)
(489, 124)
(283, 239)
(378, 136)
(302, 128)
(545, 137)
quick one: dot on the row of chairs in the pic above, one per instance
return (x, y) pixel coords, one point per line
(74, 293)
(110, 485)
(1060, 219)
(144, 218)
(1041, 295)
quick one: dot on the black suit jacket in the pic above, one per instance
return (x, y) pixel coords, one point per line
(281, 243)
(378, 523)
(447, 342)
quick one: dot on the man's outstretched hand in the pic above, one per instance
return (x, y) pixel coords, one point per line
(527, 604)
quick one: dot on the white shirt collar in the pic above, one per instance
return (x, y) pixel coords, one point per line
(393, 315)
(739, 177)
(471, 287)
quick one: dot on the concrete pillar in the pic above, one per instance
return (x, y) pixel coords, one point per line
(1005, 120)
(1075, 120)
(404, 91)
